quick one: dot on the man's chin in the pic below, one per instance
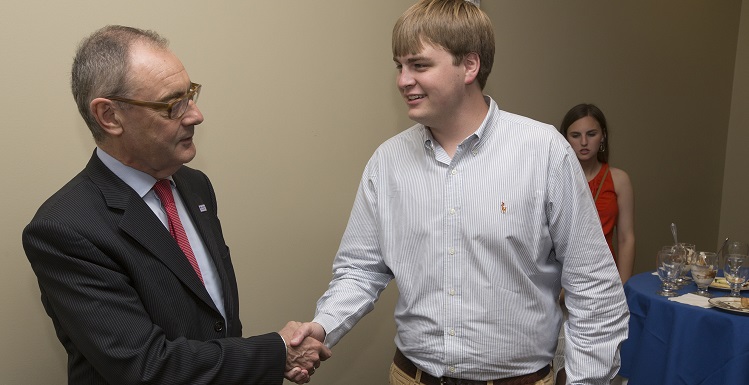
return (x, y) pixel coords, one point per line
(186, 155)
(416, 116)
(421, 119)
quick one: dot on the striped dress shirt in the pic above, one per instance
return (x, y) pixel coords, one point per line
(479, 246)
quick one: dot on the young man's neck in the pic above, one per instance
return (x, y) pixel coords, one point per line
(464, 123)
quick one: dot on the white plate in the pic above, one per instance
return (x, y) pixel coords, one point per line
(731, 304)
(720, 283)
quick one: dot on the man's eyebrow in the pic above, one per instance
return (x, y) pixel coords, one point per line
(174, 95)
(411, 59)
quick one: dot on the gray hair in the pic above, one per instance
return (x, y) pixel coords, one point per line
(101, 66)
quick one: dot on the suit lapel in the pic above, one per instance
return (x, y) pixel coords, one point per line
(200, 215)
(144, 227)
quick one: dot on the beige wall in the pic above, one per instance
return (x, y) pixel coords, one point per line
(298, 94)
(735, 205)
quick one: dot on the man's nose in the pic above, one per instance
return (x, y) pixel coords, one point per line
(193, 114)
(405, 79)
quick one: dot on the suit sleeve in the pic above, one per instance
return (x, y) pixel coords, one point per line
(100, 317)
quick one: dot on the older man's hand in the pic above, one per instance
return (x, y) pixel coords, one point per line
(304, 351)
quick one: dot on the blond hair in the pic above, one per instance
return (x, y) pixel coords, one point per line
(457, 26)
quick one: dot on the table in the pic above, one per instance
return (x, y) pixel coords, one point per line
(675, 343)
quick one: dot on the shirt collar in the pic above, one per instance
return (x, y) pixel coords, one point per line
(484, 130)
(487, 127)
(137, 180)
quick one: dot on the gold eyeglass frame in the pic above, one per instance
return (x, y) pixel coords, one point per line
(191, 94)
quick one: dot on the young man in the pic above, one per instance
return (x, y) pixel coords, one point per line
(130, 255)
(481, 216)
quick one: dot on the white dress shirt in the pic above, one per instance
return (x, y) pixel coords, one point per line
(479, 246)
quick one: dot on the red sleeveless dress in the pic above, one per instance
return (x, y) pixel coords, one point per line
(608, 209)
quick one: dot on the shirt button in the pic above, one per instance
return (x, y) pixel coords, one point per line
(452, 332)
(452, 211)
(451, 369)
(453, 171)
(451, 251)
(451, 292)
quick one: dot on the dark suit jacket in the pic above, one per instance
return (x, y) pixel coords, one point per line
(125, 302)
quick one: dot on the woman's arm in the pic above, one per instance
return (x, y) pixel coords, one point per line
(625, 223)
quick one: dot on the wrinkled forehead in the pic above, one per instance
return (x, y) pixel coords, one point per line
(157, 72)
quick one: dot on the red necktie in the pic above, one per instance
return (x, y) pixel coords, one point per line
(163, 189)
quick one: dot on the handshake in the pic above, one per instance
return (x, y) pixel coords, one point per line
(304, 350)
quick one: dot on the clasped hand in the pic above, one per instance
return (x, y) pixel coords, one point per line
(304, 350)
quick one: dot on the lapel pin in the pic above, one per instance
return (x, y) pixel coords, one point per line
(203, 209)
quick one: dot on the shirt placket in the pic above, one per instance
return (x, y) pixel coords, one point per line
(454, 256)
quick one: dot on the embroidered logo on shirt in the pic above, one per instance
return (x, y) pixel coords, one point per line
(202, 208)
(503, 208)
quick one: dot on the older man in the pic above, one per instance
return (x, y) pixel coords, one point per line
(130, 256)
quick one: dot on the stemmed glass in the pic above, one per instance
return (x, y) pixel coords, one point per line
(690, 251)
(670, 262)
(736, 247)
(677, 248)
(733, 247)
(704, 268)
(736, 271)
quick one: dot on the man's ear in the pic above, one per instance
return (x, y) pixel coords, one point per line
(105, 114)
(472, 63)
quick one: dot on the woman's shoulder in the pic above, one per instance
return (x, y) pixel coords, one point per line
(620, 178)
(618, 173)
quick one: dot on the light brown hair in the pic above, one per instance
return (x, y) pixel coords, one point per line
(457, 26)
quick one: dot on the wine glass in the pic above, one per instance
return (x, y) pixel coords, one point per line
(690, 254)
(704, 268)
(734, 247)
(736, 272)
(737, 247)
(670, 262)
(677, 248)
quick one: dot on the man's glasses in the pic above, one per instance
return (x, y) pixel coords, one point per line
(174, 109)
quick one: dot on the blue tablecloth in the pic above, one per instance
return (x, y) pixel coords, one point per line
(674, 343)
